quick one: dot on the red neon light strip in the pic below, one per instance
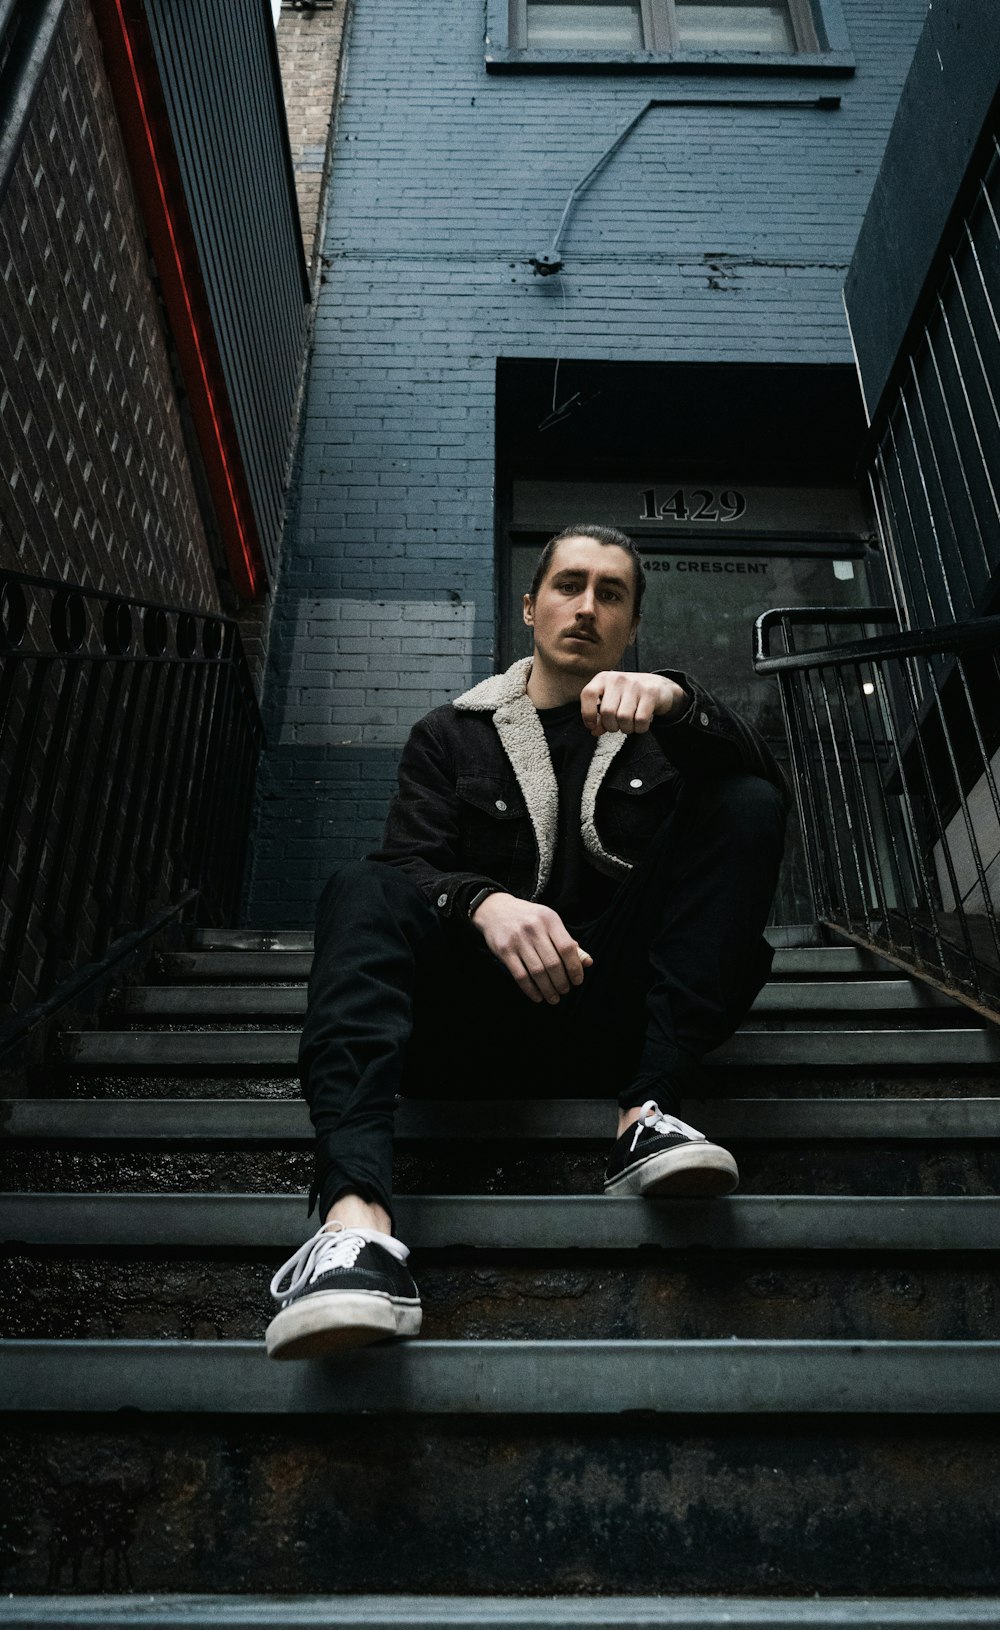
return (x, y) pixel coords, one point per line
(216, 425)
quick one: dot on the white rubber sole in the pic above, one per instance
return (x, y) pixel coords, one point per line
(336, 1321)
(689, 1171)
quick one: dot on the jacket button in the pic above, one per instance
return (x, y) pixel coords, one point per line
(501, 806)
(703, 718)
(637, 782)
(442, 900)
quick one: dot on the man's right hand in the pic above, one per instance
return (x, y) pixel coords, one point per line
(533, 944)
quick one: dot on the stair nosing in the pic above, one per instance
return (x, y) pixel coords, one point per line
(523, 1378)
(278, 1049)
(403, 1612)
(517, 1223)
(819, 960)
(569, 1120)
(778, 996)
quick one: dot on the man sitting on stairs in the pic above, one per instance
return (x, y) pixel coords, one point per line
(569, 902)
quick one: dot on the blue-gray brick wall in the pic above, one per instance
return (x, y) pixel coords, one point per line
(714, 234)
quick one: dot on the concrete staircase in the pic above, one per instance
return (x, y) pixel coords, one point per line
(779, 1409)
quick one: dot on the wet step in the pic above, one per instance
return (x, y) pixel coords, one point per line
(269, 1050)
(225, 1120)
(522, 1222)
(507, 1377)
(492, 1613)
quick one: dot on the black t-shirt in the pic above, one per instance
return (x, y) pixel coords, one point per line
(576, 889)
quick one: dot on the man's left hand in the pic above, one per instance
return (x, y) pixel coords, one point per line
(629, 702)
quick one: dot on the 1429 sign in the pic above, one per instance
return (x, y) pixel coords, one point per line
(694, 504)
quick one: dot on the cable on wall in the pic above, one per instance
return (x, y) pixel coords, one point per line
(549, 261)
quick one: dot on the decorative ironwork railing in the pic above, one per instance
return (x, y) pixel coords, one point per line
(895, 753)
(129, 739)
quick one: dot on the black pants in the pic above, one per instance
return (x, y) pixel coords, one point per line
(402, 1003)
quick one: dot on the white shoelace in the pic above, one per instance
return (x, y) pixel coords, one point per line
(335, 1246)
(653, 1119)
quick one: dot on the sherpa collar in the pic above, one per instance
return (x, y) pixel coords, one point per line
(520, 730)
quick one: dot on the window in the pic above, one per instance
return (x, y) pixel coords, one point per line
(770, 27)
(736, 26)
(608, 23)
(663, 36)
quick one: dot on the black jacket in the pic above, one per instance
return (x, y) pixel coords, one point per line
(478, 803)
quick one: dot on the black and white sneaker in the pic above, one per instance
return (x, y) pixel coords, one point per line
(343, 1288)
(662, 1155)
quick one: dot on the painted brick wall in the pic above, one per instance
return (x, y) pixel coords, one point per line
(713, 235)
(95, 483)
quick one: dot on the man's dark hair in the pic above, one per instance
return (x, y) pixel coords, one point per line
(600, 534)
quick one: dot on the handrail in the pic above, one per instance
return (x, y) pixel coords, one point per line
(936, 641)
(895, 755)
(813, 616)
(29, 581)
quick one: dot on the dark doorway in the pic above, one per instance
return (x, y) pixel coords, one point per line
(736, 484)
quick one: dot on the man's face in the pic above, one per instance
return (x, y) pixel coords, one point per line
(583, 614)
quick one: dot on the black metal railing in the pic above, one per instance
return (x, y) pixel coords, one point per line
(129, 739)
(895, 753)
(934, 451)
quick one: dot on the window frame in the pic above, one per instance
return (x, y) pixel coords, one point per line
(818, 26)
(660, 32)
(518, 28)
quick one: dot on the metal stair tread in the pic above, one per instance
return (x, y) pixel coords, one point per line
(402, 1612)
(518, 1222)
(243, 1120)
(735, 1376)
(302, 939)
(779, 996)
(237, 960)
(252, 939)
(278, 1049)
